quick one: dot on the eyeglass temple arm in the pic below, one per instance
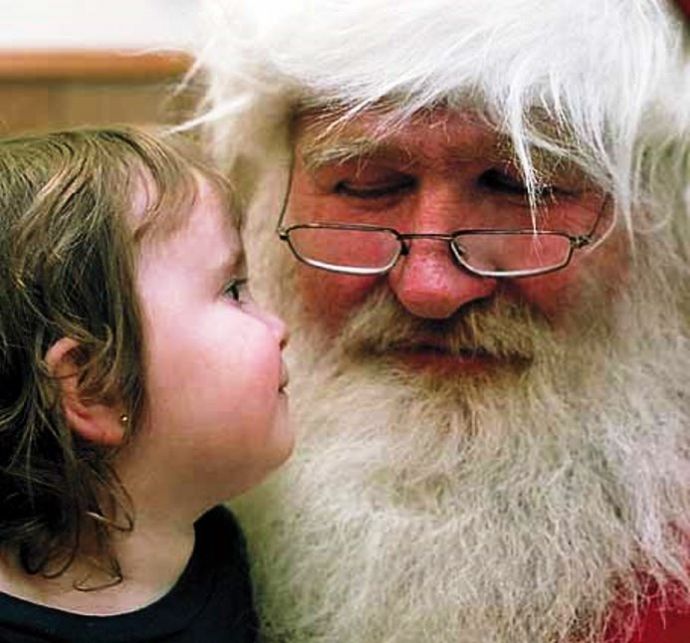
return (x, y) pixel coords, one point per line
(286, 198)
(582, 240)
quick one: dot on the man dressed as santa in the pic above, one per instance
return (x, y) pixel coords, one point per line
(476, 216)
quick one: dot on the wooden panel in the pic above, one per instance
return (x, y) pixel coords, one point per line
(107, 65)
(63, 89)
(26, 107)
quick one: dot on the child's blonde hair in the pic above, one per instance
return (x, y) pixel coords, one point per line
(68, 239)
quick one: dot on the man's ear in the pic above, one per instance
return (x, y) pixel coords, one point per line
(95, 422)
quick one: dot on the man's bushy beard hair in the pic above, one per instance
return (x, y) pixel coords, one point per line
(512, 508)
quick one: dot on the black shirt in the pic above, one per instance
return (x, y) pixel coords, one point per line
(211, 602)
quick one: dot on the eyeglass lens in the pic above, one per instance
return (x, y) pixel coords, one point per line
(513, 251)
(345, 248)
(378, 249)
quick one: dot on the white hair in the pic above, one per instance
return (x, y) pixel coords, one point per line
(612, 76)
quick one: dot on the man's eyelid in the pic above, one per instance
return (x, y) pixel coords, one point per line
(379, 188)
(509, 179)
(550, 177)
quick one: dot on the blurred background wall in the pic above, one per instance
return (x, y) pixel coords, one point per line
(74, 62)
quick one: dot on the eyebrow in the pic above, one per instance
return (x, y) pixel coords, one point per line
(319, 152)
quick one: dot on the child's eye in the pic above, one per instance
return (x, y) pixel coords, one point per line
(236, 289)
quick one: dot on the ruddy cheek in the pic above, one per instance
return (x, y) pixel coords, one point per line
(601, 275)
(552, 295)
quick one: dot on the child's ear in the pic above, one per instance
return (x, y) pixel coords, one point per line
(95, 422)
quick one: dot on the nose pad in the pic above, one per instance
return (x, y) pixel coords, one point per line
(431, 283)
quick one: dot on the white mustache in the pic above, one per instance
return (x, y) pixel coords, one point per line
(496, 328)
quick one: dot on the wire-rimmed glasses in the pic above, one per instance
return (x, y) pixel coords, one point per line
(363, 249)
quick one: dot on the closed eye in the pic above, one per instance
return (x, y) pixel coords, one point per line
(363, 190)
(502, 182)
(498, 181)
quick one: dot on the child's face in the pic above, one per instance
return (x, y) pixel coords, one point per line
(216, 410)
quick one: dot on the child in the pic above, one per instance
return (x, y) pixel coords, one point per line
(140, 386)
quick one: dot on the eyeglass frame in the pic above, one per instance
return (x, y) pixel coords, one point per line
(576, 242)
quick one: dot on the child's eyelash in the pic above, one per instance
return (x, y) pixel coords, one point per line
(235, 288)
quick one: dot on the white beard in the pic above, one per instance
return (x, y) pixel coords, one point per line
(516, 508)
